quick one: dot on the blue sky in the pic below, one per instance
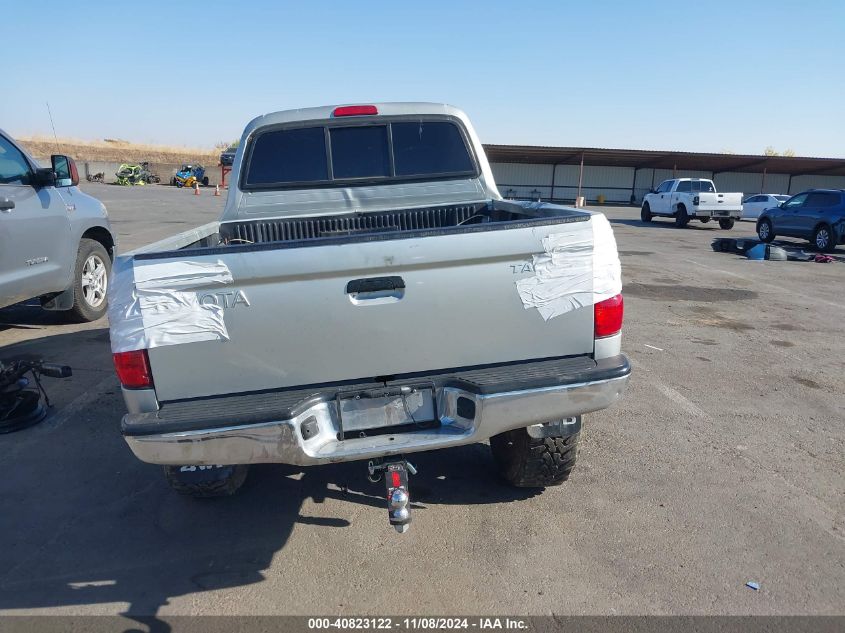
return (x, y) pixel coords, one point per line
(710, 76)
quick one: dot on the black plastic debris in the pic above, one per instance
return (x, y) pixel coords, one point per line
(733, 245)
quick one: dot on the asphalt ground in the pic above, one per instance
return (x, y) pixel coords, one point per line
(722, 465)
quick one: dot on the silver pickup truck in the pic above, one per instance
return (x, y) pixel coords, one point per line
(56, 242)
(367, 294)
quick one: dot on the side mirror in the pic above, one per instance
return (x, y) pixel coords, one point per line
(65, 169)
(45, 177)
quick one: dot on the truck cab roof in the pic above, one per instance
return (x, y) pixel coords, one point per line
(326, 173)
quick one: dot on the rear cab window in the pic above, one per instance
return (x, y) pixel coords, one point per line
(340, 153)
(291, 156)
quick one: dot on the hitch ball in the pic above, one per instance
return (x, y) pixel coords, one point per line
(399, 500)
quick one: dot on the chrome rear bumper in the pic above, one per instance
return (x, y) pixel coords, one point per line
(283, 440)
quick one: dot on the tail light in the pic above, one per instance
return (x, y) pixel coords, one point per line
(355, 110)
(608, 316)
(133, 369)
(695, 200)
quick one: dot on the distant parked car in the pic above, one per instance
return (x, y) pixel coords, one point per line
(228, 156)
(753, 206)
(817, 215)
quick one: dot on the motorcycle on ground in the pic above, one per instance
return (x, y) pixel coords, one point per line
(22, 406)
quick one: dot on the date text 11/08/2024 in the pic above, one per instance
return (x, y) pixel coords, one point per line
(423, 623)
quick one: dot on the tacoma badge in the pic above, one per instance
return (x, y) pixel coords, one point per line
(225, 299)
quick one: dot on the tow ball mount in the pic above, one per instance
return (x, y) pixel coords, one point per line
(395, 474)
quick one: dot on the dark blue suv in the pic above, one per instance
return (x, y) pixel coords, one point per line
(817, 215)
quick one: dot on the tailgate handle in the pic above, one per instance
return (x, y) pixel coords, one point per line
(374, 284)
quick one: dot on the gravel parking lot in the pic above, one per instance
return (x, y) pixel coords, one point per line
(724, 464)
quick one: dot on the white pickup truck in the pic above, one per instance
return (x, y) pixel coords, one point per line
(367, 294)
(688, 199)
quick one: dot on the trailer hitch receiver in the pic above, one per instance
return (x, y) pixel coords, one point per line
(396, 484)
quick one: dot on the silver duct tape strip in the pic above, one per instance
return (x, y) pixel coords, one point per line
(151, 305)
(578, 268)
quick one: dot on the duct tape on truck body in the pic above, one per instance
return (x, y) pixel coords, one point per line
(155, 304)
(578, 267)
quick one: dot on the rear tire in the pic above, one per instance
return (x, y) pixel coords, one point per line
(528, 462)
(202, 482)
(823, 239)
(90, 281)
(681, 217)
(726, 223)
(645, 213)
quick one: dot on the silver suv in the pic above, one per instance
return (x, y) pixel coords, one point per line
(56, 242)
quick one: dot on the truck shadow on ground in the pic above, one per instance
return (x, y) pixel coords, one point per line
(668, 223)
(29, 315)
(87, 524)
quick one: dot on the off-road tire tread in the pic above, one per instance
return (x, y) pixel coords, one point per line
(222, 488)
(527, 462)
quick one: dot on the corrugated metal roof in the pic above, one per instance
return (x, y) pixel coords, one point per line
(793, 165)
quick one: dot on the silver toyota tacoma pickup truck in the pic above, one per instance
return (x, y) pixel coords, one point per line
(367, 294)
(56, 242)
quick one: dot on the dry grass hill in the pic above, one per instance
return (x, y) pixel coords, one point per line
(113, 150)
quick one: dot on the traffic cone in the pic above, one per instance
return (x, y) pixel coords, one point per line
(196, 189)
(216, 190)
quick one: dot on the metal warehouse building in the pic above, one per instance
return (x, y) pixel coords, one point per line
(625, 176)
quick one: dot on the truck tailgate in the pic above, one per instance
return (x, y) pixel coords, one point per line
(719, 201)
(327, 312)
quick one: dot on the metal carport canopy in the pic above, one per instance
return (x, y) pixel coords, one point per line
(636, 158)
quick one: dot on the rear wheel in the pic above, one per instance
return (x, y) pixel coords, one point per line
(90, 282)
(726, 223)
(823, 239)
(206, 481)
(681, 217)
(765, 231)
(531, 462)
(645, 213)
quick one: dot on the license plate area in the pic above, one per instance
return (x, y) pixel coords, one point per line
(385, 410)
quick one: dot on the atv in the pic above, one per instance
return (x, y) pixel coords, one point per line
(129, 174)
(189, 175)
